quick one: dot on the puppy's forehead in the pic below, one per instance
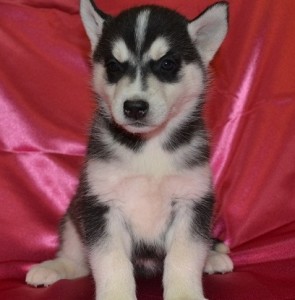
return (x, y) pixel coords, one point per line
(120, 49)
(145, 33)
(140, 27)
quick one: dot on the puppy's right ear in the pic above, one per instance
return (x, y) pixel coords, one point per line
(93, 20)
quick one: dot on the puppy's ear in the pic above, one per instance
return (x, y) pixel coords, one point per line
(93, 20)
(209, 29)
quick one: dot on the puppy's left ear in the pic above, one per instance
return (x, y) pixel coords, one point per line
(209, 29)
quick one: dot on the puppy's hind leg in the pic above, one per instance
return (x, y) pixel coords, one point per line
(70, 261)
(218, 260)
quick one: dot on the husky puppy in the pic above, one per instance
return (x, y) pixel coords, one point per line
(145, 198)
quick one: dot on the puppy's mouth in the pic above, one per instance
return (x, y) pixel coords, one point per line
(138, 127)
(137, 124)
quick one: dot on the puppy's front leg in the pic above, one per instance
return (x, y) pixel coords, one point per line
(111, 265)
(184, 263)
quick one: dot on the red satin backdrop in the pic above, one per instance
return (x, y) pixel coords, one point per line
(46, 108)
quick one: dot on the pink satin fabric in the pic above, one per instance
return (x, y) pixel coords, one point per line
(45, 110)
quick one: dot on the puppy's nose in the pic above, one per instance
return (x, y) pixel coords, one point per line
(135, 109)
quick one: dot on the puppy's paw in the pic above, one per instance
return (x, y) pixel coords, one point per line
(43, 274)
(184, 297)
(116, 295)
(218, 263)
(184, 291)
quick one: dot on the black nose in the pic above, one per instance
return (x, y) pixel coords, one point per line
(135, 109)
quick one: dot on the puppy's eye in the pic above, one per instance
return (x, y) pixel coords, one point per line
(114, 66)
(168, 65)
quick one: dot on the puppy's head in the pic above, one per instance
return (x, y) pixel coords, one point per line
(149, 62)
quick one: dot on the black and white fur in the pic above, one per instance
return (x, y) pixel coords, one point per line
(145, 198)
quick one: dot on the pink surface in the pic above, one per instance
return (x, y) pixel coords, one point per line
(45, 110)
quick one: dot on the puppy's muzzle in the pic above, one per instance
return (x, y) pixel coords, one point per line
(135, 109)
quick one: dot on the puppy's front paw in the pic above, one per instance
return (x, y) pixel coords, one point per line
(183, 291)
(184, 297)
(218, 263)
(40, 275)
(116, 295)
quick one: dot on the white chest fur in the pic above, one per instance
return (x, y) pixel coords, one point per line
(142, 186)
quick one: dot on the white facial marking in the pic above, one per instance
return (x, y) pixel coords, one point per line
(158, 49)
(140, 28)
(120, 51)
